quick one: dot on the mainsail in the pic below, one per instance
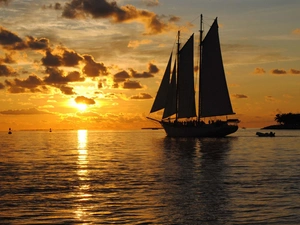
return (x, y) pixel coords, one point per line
(186, 92)
(214, 96)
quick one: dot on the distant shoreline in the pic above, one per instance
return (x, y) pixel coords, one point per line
(283, 127)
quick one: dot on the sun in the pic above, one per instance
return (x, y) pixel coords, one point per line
(81, 107)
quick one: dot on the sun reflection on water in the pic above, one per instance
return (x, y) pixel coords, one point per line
(83, 194)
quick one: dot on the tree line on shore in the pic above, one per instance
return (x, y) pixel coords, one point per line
(288, 119)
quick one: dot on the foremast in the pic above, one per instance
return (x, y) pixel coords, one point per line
(200, 66)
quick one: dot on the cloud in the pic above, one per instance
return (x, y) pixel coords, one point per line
(141, 96)
(153, 68)
(56, 76)
(7, 59)
(151, 3)
(66, 90)
(278, 71)
(52, 60)
(6, 71)
(296, 31)
(137, 43)
(79, 9)
(94, 69)
(258, 70)
(2, 86)
(84, 100)
(239, 96)
(12, 41)
(269, 98)
(132, 85)
(32, 84)
(4, 2)
(30, 111)
(293, 71)
(121, 76)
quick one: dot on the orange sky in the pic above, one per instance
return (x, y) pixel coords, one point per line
(98, 65)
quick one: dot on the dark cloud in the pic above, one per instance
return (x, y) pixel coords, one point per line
(151, 3)
(141, 96)
(56, 6)
(32, 84)
(293, 71)
(135, 74)
(77, 9)
(66, 90)
(2, 86)
(30, 111)
(37, 44)
(74, 76)
(278, 71)
(240, 96)
(8, 38)
(84, 100)
(56, 76)
(11, 41)
(259, 71)
(4, 2)
(7, 59)
(132, 85)
(6, 71)
(153, 68)
(68, 58)
(51, 60)
(71, 58)
(121, 76)
(92, 68)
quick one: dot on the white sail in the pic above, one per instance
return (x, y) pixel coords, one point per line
(161, 97)
(186, 92)
(170, 108)
(214, 96)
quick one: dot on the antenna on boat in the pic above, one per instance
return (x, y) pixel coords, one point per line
(200, 64)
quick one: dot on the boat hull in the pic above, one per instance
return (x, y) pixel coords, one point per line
(203, 130)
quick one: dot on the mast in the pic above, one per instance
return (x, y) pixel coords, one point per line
(178, 62)
(200, 65)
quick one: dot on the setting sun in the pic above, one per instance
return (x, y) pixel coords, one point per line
(81, 107)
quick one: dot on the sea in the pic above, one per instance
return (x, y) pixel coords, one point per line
(143, 177)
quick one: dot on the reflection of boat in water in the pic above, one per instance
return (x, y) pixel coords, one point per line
(260, 134)
(177, 95)
(9, 131)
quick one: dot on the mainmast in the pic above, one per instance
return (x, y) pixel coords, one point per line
(178, 59)
(200, 65)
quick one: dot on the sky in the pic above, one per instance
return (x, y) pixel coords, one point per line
(97, 64)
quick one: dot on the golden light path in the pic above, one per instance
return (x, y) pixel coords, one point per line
(82, 172)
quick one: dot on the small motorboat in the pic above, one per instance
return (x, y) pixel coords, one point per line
(9, 131)
(270, 134)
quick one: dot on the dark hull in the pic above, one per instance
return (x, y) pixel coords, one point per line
(203, 130)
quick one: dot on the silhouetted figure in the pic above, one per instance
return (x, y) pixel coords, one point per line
(9, 131)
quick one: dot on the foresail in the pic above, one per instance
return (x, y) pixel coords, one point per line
(170, 108)
(186, 89)
(161, 97)
(214, 94)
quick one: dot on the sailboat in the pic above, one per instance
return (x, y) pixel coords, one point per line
(176, 93)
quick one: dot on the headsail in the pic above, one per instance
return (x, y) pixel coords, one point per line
(161, 97)
(214, 96)
(186, 89)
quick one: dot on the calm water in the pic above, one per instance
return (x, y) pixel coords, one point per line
(142, 177)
